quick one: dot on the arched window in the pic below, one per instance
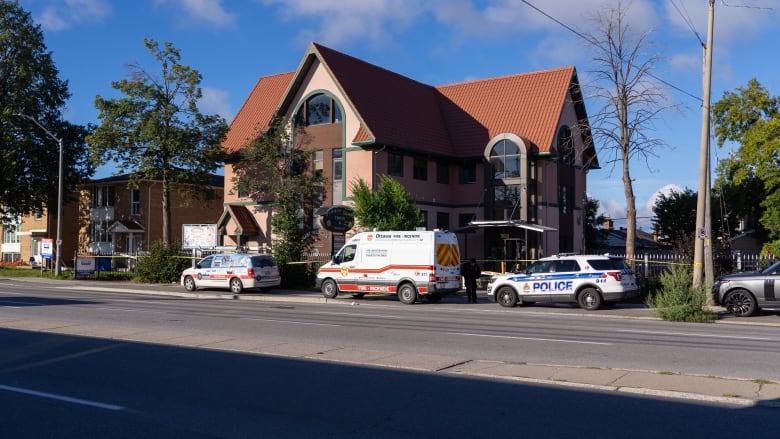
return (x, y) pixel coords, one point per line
(505, 160)
(565, 146)
(319, 109)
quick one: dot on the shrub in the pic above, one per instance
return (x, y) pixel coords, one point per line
(676, 301)
(297, 276)
(162, 265)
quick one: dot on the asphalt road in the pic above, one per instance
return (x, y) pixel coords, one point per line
(544, 335)
(56, 386)
(145, 369)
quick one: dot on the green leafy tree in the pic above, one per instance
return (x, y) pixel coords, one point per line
(675, 219)
(593, 233)
(735, 202)
(750, 117)
(30, 92)
(276, 169)
(157, 132)
(389, 208)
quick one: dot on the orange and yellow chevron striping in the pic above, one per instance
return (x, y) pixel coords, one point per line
(447, 255)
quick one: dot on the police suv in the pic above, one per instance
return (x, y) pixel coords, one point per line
(591, 281)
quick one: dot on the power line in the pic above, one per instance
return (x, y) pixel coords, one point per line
(592, 42)
(764, 8)
(687, 18)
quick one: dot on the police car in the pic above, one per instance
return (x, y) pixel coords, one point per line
(591, 281)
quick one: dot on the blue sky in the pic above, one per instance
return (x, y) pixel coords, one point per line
(234, 42)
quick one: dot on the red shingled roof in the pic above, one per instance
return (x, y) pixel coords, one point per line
(243, 218)
(527, 104)
(258, 110)
(453, 120)
(395, 110)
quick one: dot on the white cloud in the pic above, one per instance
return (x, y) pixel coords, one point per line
(73, 12)
(200, 11)
(616, 209)
(215, 101)
(342, 20)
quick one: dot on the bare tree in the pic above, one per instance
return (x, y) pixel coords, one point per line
(629, 96)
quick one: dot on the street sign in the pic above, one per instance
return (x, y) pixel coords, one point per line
(47, 248)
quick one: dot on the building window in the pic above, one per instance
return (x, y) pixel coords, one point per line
(464, 219)
(442, 173)
(135, 201)
(505, 160)
(420, 170)
(566, 146)
(506, 202)
(102, 196)
(443, 220)
(98, 232)
(467, 173)
(395, 164)
(9, 234)
(338, 164)
(565, 199)
(318, 162)
(319, 109)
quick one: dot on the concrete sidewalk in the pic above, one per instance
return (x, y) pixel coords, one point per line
(728, 390)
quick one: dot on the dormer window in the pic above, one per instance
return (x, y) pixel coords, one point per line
(320, 109)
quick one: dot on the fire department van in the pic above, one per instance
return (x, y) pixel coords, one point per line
(410, 264)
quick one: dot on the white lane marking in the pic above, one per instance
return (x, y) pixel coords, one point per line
(295, 322)
(145, 311)
(64, 398)
(530, 338)
(691, 334)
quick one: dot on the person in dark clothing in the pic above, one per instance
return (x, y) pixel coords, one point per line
(471, 272)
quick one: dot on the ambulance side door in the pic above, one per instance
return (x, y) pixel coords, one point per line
(347, 263)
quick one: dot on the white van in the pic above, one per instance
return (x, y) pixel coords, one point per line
(237, 271)
(408, 263)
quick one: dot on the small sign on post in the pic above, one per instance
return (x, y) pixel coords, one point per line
(46, 248)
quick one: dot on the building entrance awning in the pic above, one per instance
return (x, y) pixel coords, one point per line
(484, 224)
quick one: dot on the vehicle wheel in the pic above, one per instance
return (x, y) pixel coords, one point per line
(589, 299)
(236, 286)
(407, 294)
(506, 297)
(433, 298)
(189, 284)
(329, 289)
(358, 295)
(740, 303)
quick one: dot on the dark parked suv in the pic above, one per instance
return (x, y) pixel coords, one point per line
(744, 293)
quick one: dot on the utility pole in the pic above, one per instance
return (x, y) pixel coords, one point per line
(703, 236)
(58, 243)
